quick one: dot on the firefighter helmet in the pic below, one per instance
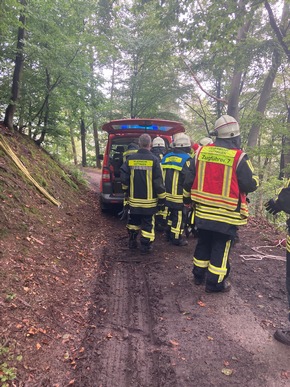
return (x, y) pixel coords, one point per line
(158, 142)
(226, 127)
(182, 141)
(205, 141)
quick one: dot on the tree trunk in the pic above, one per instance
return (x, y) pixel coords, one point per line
(112, 92)
(282, 30)
(97, 144)
(285, 156)
(73, 146)
(219, 104)
(264, 98)
(46, 112)
(83, 142)
(268, 84)
(235, 90)
(18, 70)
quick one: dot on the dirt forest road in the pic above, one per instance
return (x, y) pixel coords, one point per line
(151, 326)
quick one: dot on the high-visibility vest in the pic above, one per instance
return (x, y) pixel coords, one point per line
(216, 182)
(172, 165)
(174, 160)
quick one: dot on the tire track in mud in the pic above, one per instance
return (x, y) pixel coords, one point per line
(125, 342)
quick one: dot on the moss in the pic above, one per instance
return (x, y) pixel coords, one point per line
(67, 179)
(3, 232)
(41, 181)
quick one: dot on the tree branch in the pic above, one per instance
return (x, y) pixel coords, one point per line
(200, 86)
(276, 29)
(195, 111)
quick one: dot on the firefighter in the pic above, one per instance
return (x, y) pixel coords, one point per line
(142, 183)
(132, 148)
(282, 203)
(175, 165)
(158, 147)
(219, 178)
(159, 150)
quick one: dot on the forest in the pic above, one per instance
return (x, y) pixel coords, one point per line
(67, 67)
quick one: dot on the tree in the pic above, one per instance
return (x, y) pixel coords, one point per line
(18, 69)
(269, 80)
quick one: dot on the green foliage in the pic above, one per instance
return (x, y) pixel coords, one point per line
(6, 374)
(69, 181)
(7, 370)
(78, 176)
(10, 297)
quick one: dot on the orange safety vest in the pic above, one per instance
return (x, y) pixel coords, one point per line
(216, 182)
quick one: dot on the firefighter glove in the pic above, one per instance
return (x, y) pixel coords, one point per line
(272, 207)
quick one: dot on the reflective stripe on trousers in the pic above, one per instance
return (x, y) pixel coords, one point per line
(212, 255)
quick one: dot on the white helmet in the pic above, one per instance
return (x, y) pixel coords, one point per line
(205, 141)
(158, 141)
(226, 127)
(182, 141)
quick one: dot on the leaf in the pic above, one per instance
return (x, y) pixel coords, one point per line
(174, 343)
(210, 338)
(32, 331)
(227, 371)
(200, 303)
(38, 346)
(285, 374)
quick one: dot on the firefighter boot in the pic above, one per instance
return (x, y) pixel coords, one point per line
(179, 242)
(283, 336)
(223, 287)
(133, 240)
(167, 234)
(146, 248)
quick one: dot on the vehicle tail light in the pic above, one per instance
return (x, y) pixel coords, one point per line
(106, 176)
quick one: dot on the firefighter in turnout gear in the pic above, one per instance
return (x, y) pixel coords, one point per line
(132, 148)
(159, 150)
(219, 178)
(142, 182)
(282, 203)
(158, 147)
(175, 165)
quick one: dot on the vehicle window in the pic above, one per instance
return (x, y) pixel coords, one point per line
(119, 146)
